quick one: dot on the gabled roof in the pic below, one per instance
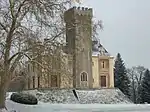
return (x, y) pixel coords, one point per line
(98, 49)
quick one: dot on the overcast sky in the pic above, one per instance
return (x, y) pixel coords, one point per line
(126, 28)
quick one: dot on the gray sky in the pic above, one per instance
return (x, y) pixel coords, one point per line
(126, 28)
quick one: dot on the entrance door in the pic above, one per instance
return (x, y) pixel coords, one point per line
(54, 81)
(103, 81)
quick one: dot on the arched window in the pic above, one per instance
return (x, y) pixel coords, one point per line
(83, 76)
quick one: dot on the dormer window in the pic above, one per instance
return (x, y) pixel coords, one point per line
(103, 64)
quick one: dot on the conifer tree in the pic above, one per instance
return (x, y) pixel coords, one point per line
(145, 87)
(121, 78)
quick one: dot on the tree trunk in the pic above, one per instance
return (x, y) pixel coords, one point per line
(5, 79)
(3, 89)
(134, 92)
(2, 97)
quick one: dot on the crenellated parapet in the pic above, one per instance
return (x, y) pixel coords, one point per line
(83, 11)
(72, 13)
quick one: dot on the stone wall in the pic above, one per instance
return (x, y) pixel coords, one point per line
(78, 38)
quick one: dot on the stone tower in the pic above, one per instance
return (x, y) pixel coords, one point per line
(79, 43)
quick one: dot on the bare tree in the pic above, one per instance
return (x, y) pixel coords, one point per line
(136, 75)
(19, 21)
(54, 59)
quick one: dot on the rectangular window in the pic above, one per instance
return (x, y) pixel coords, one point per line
(54, 81)
(38, 81)
(28, 67)
(33, 78)
(28, 83)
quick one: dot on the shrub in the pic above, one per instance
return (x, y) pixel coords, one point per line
(24, 98)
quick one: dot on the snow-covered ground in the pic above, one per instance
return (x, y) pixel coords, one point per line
(46, 107)
(66, 96)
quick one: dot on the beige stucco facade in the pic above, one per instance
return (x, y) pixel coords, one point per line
(103, 66)
(95, 71)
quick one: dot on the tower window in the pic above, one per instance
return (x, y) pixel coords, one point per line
(93, 63)
(82, 50)
(83, 76)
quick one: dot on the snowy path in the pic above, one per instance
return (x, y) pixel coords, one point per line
(42, 107)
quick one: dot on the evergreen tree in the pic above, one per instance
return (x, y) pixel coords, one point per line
(121, 78)
(145, 87)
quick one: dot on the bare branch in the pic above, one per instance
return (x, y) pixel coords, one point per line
(15, 63)
(5, 28)
(12, 3)
(19, 9)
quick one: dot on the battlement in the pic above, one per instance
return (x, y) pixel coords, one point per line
(82, 11)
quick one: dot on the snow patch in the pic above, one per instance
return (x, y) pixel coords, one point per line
(46, 107)
(66, 96)
(3, 110)
(8, 95)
